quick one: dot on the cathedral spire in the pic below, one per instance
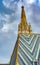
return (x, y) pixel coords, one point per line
(23, 27)
(23, 16)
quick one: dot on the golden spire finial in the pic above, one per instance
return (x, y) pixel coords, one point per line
(23, 16)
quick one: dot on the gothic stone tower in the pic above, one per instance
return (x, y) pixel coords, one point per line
(23, 27)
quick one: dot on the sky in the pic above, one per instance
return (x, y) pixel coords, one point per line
(10, 15)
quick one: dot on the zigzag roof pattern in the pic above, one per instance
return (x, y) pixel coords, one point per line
(27, 50)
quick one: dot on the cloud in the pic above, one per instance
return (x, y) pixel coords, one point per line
(5, 28)
(4, 17)
(6, 3)
(11, 4)
(8, 22)
(30, 1)
(10, 27)
(33, 16)
(4, 9)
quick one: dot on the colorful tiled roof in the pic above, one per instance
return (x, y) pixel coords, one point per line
(28, 49)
